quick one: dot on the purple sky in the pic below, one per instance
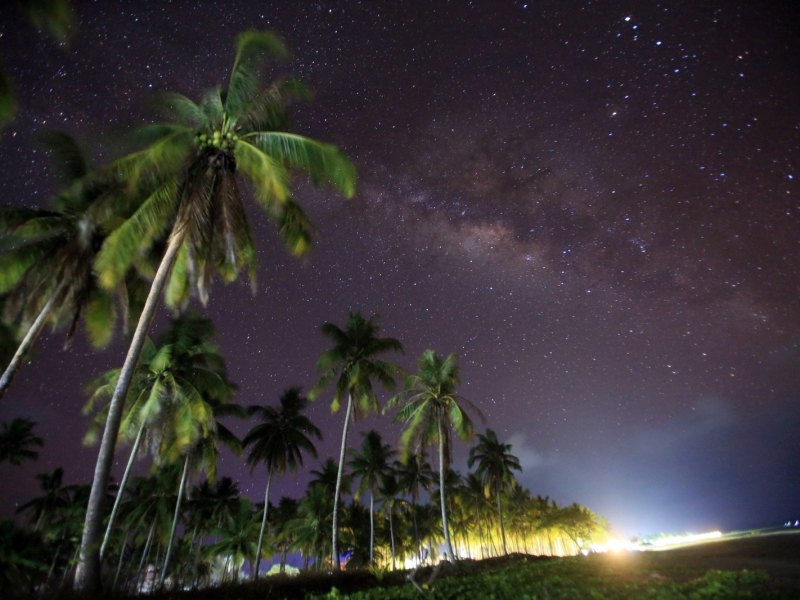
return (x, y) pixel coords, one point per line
(596, 207)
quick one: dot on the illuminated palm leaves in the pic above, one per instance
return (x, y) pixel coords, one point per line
(431, 411)
(187, 175)
(47, 256)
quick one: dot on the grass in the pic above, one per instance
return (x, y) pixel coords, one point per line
(761, 566)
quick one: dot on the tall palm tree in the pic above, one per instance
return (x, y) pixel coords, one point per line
(495, 465)
(415, 475)
(279, 441)
(189, 181)
(236, 537)
(354, 364)
(283, 514)
(193, 438)
(17, 441)
(46, 264)
(389, 494)
(371, 465)
(431, 410)
(311, 528)
(183, 364)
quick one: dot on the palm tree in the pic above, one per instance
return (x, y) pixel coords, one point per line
(371, 465)
(23, 559)
(46, 266)
(183, 364)
(389, 492)
(190, 187)
(278, 441)
(283, 514)
(54, 496)
(474, 490)
(311, 528)
(236, 537)
(414, 474)
(495, 466)
(353, 364)
(431, 409)
(17, 441)
(193, 438)
(327, 477)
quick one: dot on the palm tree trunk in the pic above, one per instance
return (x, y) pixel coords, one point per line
(120, 561)
(33, 332)
(391, 533)
(502, 528)
(371, 527)
(335, 537)
(168, 553)
(148, 542)
(448, 549)
(257, 561)
(121, 490)
(480, 531)
(417, 537)
(87, 574)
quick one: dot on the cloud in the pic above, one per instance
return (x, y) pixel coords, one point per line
(530, 459)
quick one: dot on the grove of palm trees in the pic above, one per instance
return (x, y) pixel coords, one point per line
(156, 226)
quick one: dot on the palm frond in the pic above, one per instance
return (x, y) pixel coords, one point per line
(294, 227)
(253, 48)
(70, 161)
(183, 109)
(269, 178)
(322, 162)
(136, 234)
(99, 316)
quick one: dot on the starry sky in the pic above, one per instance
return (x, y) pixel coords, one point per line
(595, 205)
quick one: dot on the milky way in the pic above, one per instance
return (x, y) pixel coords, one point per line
(595, 207)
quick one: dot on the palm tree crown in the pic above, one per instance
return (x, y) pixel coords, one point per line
(282, 435)
(495, 466)
(17, 441)
(47, 256)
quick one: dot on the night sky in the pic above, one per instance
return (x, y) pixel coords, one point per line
(595, 205)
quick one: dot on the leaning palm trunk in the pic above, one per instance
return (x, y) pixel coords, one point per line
(168, 553)
(335, 539)
(33, 332)
(87, 574)
(257, 561)
(448, 549)
(121, 490)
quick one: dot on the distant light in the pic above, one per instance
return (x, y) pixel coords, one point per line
(658, 43)
(627, 19)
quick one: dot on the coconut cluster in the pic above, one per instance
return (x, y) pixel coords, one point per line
(216, 140)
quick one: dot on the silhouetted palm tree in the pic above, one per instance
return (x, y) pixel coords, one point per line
(370, 464)
(495, 465)
(17, 441)
(279, 441)
(354, 365)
